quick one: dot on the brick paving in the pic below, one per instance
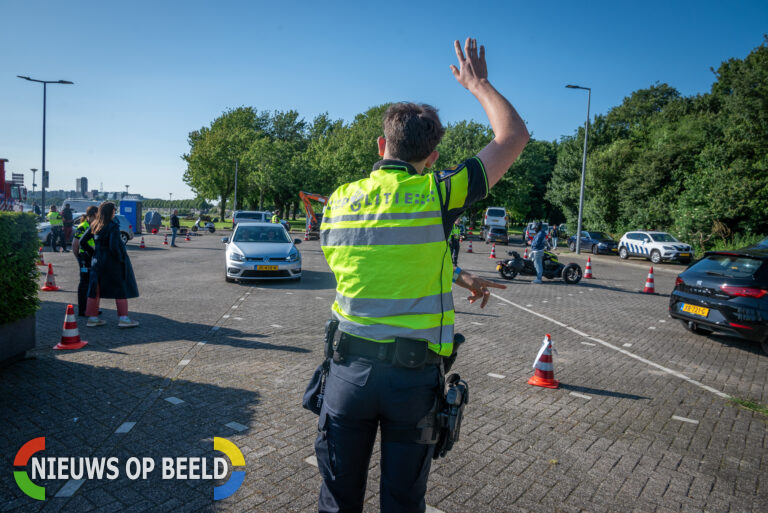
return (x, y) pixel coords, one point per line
(239, 356)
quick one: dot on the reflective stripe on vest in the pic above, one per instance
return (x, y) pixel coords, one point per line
(384, 241)
(80, 231)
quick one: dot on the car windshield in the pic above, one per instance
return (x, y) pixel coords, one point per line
(597, 235)
(763, 243)
(495, 212)
(250, 215)
(730, 266)
(663, 237)
(498, 230)
(275, 233)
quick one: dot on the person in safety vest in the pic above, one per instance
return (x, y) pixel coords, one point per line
(454, 241)
(83, 257)
(276, 217)
(385, 239)
(57, 228)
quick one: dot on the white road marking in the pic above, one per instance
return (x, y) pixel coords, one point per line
(70, 487)
(662, 320)
(651, 327)
(576, 394)
(174, 400)
(201, 343)
(225, 316)
(432, 509)
(234, 306)
(236, 426)
(683, 419)
(318, 297)
(589, 344)
(623, 351)
(545, 301)
(125, 427)
(558, 298)
(237, 318)
(312, 460)
(627, 345)
(275, 325)
(529, 306)
(570, 295)
(580, 333)
(581, 292)
(477, 323)
(289, 293)
(497, 376)
(241, 299)
(184, 362)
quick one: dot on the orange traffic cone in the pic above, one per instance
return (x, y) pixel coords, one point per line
(588, 270)
(649, 289)
(142, 246)
(525, 253)
(70, 336)
(493, 251)
(165, 241)
(544, 373)
(50, 281)
(306, 235)
(40, 259)
(187, 237)
(469, 249)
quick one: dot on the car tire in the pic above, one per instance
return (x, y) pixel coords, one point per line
(623, 253)
(685, 261)
(695, 328)
(655, 257)
(594, 249)
(572, 246)
(227, 278)
(124, 238)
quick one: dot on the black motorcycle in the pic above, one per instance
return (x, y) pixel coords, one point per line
(509, 268)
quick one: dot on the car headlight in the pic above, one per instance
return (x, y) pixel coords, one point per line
(293, 256)
(236, 257)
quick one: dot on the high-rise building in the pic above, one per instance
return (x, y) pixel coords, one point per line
(81, 185)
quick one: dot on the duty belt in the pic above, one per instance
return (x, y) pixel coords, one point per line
(383, 351)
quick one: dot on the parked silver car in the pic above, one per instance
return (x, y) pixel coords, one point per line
(261, 251)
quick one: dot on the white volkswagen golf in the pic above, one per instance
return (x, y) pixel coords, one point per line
(261, 251)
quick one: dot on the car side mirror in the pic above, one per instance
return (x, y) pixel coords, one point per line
(297, 241)
(225, 240)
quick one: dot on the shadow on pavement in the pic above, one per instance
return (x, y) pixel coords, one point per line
(77, 408)
(310, 280)
(156, 328)
(598, 391)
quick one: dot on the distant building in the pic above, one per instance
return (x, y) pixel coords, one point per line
(81, 185)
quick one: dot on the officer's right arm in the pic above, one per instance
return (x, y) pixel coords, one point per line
(510, 133)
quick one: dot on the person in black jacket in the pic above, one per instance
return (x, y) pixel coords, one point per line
(175, 226)
(111, 271)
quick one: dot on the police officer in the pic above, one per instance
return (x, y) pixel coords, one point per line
(84, 258)
(385, 239)
(276, 217)
(454, 241)
(57, 225)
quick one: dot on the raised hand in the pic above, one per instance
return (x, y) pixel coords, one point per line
(472, 69)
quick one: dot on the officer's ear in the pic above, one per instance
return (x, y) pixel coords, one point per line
(382, 145)
(432, 159)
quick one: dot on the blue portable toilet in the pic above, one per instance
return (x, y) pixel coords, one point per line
(131, 209)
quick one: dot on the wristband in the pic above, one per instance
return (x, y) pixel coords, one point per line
(456, 273)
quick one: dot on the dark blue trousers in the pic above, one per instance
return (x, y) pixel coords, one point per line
(361, 395)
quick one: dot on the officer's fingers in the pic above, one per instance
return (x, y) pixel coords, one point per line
(455, 71)
(459, 53)
(473, 48)
(486, 297)
(495, 285)
(468, 47)
(482, 53)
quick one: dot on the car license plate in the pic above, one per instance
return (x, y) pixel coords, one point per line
(266, 268)
(614, 250)
(498, 267)
(685, 254)
(695, 310)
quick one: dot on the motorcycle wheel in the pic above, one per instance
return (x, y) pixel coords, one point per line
(194, 228)
(507, 273)
(572, 273)
(211, 229)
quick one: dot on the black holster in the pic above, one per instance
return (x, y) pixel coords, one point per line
(315, 391)
(456, 395)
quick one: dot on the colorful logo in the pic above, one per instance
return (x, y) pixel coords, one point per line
(237, 477)
(21, 460)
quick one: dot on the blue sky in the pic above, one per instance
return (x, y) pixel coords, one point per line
(147, 73)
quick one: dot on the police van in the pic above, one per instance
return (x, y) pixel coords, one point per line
(655, 246)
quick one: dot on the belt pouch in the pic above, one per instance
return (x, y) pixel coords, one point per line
(409, 353)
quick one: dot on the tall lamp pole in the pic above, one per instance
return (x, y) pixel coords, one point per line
(583, 165)
(234, 207)
(34, 170)
(45, 85)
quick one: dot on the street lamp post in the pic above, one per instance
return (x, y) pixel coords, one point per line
(45, 90)
(234, 207)
(170, 203)
(34, 170)
(583, 165)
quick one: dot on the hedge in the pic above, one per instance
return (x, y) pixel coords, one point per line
(18, 273)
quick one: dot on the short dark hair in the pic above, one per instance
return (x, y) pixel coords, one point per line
(412, 130)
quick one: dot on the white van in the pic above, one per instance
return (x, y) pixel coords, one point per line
(496, 217)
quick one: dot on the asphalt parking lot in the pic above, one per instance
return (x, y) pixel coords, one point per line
(642, 420)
